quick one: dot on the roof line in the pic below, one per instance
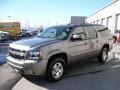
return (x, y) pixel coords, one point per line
(103, 8)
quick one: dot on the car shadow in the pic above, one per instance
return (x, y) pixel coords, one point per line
(2, 63)
(75, 70)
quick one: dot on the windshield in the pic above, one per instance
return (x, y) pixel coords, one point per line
(60, 33)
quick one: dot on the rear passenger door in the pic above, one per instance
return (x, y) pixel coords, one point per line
(93, 40)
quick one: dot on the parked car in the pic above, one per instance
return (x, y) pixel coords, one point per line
(58, 46)
(4, 36)
(35, 32)
(26, 33)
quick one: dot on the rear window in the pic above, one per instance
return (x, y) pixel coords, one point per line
(103, 31)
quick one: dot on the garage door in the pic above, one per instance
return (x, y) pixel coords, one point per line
(110, 23)
(118, 22)
(103, 22)
(98, 22)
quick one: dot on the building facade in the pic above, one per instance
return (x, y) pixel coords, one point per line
(108, 16)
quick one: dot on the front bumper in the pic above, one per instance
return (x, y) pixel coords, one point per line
(31, 67)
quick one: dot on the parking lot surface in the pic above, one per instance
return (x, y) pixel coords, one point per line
(85, 76)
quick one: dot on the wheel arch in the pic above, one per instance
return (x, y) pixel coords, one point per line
(58, 55)
(106, 45)
(52, 58)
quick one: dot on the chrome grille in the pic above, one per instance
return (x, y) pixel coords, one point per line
(17, 54)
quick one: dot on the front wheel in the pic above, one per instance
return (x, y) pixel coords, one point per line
(55, 70)
(103, 55)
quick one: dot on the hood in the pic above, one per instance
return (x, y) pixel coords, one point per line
(35, 42)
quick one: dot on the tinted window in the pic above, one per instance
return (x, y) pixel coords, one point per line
(80, 31)
(104, 33)
(91, 32)
(60, 33)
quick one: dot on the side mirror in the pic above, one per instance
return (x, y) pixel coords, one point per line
(76, 37)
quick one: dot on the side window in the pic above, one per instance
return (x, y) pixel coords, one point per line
(79, 31)
(91, 32)
(104, 33)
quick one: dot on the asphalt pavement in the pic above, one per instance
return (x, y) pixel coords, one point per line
(106, 80)
(87, 76)
(8, 77)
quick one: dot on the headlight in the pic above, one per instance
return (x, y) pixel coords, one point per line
(35, 55)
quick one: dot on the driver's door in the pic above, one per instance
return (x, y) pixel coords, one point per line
(78, 48)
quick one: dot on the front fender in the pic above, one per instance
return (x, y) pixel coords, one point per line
(53, 52)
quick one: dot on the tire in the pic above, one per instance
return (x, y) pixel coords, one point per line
(103, 55)
(55, 70)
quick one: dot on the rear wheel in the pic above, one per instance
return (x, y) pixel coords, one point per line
(55, 69)
(103, 55)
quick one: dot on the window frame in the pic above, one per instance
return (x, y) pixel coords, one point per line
(74, 29)
(91, 30)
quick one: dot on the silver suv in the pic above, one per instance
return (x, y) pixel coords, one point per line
(57, 46)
